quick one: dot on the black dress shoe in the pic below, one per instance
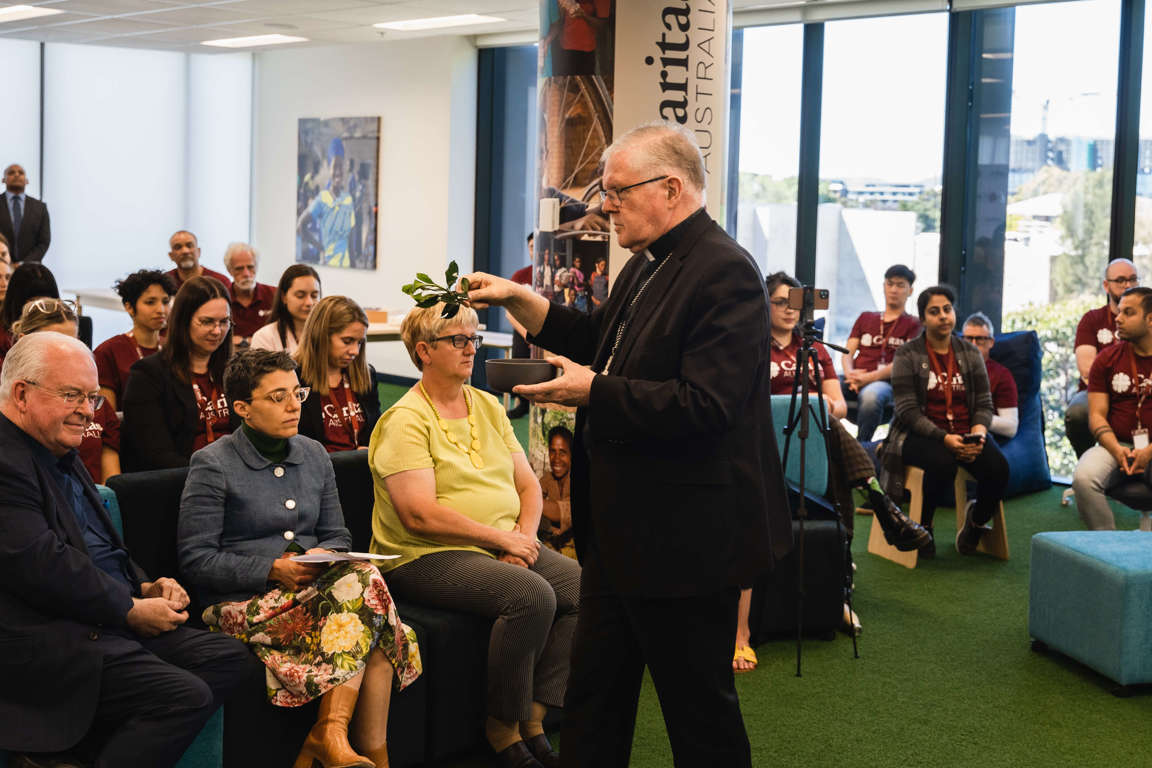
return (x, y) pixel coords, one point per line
(517, 756)
(542, 750)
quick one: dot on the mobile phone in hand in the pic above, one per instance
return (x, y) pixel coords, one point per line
(972, 438)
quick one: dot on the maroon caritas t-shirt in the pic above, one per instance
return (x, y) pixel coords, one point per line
(1123, 376)
(213, 408)
(879, 340)
(784, 366)
(343, 418)
(103, 431)
(246, 320)
(936, 403)
(175, 275)
(1096, 329)
(1003, 386)
(113, 359)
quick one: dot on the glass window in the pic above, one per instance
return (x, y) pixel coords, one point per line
(881, 156)
(770, 144)
(1059, 187)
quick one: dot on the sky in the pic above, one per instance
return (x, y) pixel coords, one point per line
(884, 88)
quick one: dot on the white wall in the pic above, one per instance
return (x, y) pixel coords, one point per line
(424, 91)
(20, 138)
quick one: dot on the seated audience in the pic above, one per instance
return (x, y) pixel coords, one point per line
(1118, 405)
(458, 501)
(344, 404)
(89, 639)
(174, 401)
(1095, 333)
(943, 407)
(979, 333)
(556, 487)
(251, 301)
(185, 252)
(100, 449)
(321, 629)
(297, 293)
(850, 467)
(872, 343)
(30, 280)
(147, 296)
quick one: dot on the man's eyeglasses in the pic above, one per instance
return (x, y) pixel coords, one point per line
(72, 397)
(208, 323)
(978, 339)
(460, 341)
(1134, 280)
(279, 396)
(614, 195)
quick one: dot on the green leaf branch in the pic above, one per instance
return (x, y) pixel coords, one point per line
(427, 293)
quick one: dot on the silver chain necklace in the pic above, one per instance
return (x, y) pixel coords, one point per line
(628, 317)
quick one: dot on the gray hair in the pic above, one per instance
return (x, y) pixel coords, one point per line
(982, 320)
(665, 147)
(31, 358)
(238, 247)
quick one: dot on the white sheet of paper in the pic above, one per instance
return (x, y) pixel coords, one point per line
(341, 557)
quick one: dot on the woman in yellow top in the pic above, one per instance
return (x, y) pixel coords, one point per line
(458, 501)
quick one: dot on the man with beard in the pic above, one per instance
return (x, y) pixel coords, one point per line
(1095, 333)
(1119, 412)
(184, 250)
(251, 301)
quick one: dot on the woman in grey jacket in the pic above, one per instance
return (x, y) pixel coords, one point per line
(942, 409)
(255, 500)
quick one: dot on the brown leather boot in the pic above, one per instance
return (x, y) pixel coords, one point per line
(327, 742)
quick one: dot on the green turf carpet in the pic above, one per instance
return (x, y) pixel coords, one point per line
(945, 676)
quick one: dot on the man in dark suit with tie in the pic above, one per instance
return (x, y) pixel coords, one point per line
(23, 219)
(678, 499)
(93, 651)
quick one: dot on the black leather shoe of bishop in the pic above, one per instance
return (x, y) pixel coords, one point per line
(542, 750)
(516, 756)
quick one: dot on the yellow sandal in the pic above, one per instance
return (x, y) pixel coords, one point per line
(744, 653)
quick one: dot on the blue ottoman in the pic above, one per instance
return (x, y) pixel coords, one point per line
(1090, 597)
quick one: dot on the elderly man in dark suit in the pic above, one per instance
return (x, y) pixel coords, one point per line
(678, 498)
(23, 219)
(92, 651)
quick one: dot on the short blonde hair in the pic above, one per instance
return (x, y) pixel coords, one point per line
(426, 324)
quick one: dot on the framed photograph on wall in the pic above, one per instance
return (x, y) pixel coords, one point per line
(336, 186)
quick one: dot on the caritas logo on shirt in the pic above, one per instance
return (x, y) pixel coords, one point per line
(957, 382)
(868, 340)
(784, 369)
(1122, 384)
(216, 410)
(93, 430)
(334, 417)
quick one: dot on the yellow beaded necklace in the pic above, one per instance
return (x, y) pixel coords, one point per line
(473, 450)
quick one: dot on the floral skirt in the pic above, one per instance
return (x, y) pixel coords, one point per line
(318, 638)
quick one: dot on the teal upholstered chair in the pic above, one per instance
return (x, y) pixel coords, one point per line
(815, 455)
(208, 749)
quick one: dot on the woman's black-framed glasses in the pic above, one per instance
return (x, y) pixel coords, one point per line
(613, 195)
(460, 341)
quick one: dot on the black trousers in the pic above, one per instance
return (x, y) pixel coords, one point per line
(157, 693)
(990, 469)
(686, 643)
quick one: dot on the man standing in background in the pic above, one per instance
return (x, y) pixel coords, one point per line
(23, 219)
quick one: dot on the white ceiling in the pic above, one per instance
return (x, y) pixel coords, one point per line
(182, 24)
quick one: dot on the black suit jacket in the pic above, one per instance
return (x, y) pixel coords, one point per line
(312, 418)
(160, 418)
(680, 491)
(35, 233)
(54, 602)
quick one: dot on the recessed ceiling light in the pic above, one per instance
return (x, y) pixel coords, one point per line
(20, 12)
(439, 22)
(254, 40)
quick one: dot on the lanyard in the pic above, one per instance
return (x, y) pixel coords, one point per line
(1141, 388)
(353, 421)
(139, 349)
(945, 381)
(884, 332)
(205, 407)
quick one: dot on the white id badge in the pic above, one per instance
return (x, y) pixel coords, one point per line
(1139, 439)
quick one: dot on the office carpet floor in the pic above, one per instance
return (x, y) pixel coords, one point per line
(946, 676)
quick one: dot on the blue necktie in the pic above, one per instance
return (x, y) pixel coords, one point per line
(17, 216)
